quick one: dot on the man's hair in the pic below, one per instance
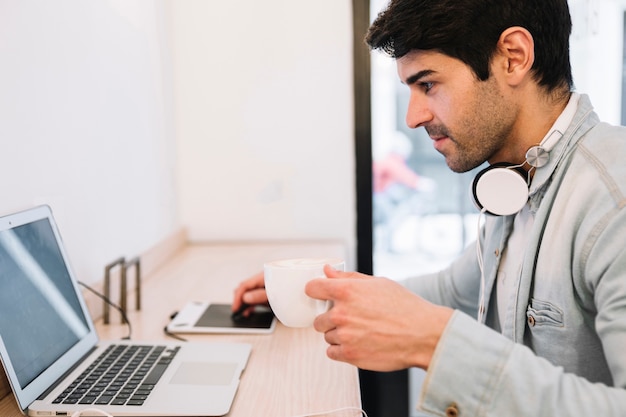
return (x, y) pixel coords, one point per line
(469, 30)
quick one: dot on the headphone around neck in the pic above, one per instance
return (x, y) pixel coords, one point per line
(501, 189)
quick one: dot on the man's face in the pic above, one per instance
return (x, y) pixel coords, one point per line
(470, 121)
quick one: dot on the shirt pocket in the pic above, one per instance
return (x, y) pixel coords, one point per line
(543, 313)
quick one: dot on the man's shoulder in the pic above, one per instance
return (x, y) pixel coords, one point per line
(605, 142)
(601, 154)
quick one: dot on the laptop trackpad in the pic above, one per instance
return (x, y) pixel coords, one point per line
(204, 373)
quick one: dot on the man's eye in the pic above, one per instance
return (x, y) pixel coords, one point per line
(426, 86)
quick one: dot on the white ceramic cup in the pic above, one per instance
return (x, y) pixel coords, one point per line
(284, 283)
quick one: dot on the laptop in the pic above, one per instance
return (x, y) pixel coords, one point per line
(57, 366)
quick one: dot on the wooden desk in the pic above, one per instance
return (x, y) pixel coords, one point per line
(288, 373)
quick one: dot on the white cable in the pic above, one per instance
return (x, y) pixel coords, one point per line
(91, 410)
(321, 413)
(479, 255)
(337, 410)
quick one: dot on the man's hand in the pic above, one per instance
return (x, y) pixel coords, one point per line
(250, 292)
(375, 323)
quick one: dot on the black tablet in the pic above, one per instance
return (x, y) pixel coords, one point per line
(206, 317)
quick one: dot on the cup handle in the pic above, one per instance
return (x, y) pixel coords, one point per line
(322, 306)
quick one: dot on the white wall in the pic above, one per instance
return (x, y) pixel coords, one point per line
(264, 116)
(251, 139)
(597, 54)
(86, 123)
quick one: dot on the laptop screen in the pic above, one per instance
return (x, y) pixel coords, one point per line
(40, 315)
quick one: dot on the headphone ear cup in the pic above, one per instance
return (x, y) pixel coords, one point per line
(500, 189)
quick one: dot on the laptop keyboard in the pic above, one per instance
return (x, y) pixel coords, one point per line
(121, 375)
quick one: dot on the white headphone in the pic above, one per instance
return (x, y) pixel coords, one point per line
(502, 189)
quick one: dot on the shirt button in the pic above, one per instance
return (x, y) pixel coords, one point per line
(531, 321)
(497, 252)
(452, 410)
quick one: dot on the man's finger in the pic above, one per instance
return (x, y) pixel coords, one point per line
(331, 272)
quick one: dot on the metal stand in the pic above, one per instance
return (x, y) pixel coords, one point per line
(135, 262)
(125, 266)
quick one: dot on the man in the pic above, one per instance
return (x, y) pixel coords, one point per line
(531, 320)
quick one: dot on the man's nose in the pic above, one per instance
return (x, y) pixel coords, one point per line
(417, 112)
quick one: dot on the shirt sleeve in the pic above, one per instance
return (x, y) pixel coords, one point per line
(457, 286)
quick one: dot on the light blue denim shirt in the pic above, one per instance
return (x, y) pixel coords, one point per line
(561, 349)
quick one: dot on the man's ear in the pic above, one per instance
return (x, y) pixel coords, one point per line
(516, 51)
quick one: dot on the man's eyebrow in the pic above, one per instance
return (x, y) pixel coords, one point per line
(416, 77)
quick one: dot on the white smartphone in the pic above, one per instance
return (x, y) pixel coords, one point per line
(206, 317)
